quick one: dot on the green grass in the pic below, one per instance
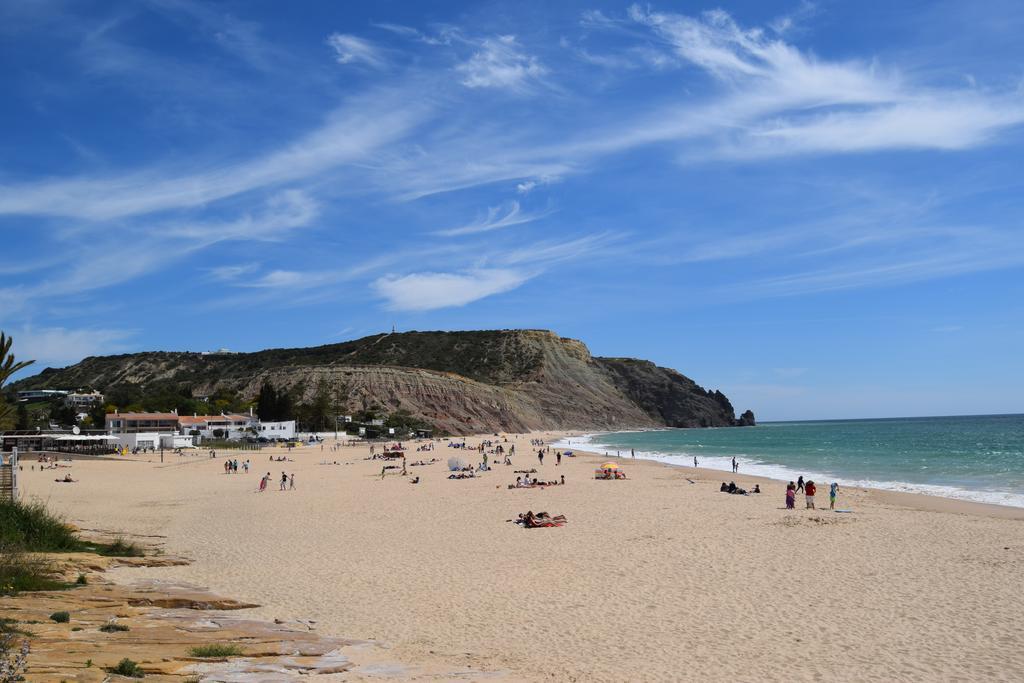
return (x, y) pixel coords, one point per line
(216, 650)
(127, 667)
(21, 572)
(30, 526)
(119, 548)
(113, 627)
(9, 627)
(61, 617)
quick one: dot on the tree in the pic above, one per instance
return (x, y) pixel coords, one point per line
(8, 367)
(63, 414)
(273, 405)
(22, 421)
(266, 403)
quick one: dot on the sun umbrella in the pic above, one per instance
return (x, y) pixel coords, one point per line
(609, 466)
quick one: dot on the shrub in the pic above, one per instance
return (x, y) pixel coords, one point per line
(61, 617)
(127, 667)
(113, 627)
(120, 548)
(13, 657)
(216, 650)
(81, 580)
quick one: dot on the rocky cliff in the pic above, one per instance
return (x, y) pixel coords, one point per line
(461, 382)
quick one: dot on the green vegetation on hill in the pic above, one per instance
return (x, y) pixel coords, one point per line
(453, 381)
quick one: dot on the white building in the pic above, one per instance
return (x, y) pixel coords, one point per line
(41, 394)
(219, 426)
(78, 400)
(276, 430)
(154, 440)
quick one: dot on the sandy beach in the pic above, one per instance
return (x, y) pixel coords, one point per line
(657, 577)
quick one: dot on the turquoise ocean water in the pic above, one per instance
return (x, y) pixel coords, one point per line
(977, 458)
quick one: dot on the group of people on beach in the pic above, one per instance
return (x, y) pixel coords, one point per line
(287, 483)
(809, 489)
(231, 466)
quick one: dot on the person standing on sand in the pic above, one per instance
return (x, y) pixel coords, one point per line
(800, 483)
(284, 481)
(291, 482)
(832, 491)
(540, 456)
(558, 458)
(809, 491)
(790, 496)
(695, 461)
(632, 452)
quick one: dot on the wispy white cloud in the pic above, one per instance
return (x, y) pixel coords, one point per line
(428, 291)
(784, 101)
(497, 217)
(351, 49)
(349, 135)
(58, 346)
(231, 273)
(500, 62)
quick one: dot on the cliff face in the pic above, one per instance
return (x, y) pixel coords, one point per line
(504, 380)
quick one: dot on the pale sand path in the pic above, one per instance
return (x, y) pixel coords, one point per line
(653, 578)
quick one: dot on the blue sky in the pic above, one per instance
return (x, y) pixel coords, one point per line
(815, 207)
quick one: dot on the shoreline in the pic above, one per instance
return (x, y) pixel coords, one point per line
(891, 494)
(911, 501)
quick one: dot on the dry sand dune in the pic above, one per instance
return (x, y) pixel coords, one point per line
(653, 579)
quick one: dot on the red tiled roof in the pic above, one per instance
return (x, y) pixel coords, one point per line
(142, 416)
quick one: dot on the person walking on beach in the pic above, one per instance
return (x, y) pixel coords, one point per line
(632, 452)
(284, 481)
(735, 466)
(800, 483)
(809, 491)
(695, 461)
(558, 458)
(540, 456)
(790, 496)
(832, 491)
(291, 482)
(263, 482)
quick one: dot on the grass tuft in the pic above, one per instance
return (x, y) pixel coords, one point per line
(216, 650)
(61, 617)
(113, 627)
(21, 571)
(119, 548)
(31, 527)
(127, 667)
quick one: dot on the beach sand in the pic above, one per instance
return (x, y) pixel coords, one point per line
(656, 578)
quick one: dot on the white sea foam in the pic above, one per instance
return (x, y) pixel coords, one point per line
(754, 466)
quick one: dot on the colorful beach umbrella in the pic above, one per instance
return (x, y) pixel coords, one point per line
(609, 466)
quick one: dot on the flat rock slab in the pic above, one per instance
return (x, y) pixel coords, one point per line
(164, 622)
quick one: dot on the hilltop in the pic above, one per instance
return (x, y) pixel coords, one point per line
(460, 382)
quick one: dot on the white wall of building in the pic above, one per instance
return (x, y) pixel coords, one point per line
(140, 440)
(276, 430)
